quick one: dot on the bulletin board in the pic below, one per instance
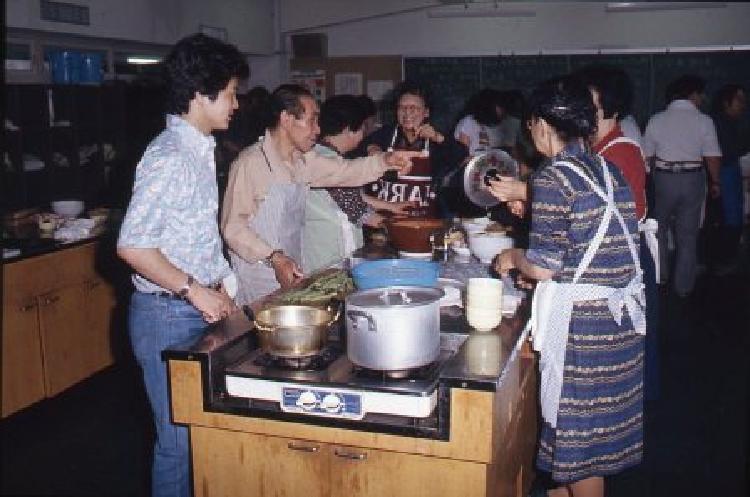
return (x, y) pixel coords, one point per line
(373, 75)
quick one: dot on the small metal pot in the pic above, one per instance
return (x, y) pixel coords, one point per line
(294, 331)
(394, 328)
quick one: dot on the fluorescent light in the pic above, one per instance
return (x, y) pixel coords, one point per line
(655, 6)
(143, 60)
(469, 11)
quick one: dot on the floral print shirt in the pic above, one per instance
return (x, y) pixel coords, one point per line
(174, 207)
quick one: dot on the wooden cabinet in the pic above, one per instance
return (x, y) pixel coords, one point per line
(57, 316)
(228, 463)
(23, 374)
(362, 472)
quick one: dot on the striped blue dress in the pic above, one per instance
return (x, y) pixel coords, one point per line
(600, 418)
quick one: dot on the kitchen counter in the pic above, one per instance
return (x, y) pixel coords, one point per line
(28, 241)
(484, 447)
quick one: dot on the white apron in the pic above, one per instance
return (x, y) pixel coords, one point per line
(553, 302)
(648, 226)
(280, 222)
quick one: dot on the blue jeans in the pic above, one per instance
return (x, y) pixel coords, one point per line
(155, 323)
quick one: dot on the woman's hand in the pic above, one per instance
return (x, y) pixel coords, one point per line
(517, 207)
(505, 261)
(401, 208)
(373, 220)
(427, 132)
(507, 189)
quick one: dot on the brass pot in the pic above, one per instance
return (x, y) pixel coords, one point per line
(294, 331)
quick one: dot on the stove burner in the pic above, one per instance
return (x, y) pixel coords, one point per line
(420, 373)
(316, 362)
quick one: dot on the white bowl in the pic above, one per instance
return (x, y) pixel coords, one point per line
(67, 208)
(485, 246)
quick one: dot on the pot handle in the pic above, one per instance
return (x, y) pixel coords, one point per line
(251, 316)
(353, 315)
(335, 315)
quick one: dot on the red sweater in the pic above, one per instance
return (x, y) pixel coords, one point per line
(629, 161)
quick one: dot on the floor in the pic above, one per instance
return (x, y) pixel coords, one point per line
(94, 440)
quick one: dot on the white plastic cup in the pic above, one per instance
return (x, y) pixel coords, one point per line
(483, 319)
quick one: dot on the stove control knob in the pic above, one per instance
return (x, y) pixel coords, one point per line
(331, 403)
(307, 400)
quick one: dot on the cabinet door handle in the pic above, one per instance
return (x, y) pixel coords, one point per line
(303, 448)
(51, 300)
(355, 456)
(28, 307)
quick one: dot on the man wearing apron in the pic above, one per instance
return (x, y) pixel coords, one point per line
(264, 206)
(438, 154)
(679, 141)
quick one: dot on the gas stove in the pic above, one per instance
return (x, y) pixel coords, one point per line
(331, 386)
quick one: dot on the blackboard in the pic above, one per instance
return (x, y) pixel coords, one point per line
(450, 80)
(453, 79)
(717, 69)
(521, 71)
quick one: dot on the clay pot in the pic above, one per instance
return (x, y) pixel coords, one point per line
(413, 234)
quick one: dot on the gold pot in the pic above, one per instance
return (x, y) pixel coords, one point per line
(294, 331)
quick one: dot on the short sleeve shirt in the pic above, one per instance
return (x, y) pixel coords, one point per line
(681, 133)
(174, 207)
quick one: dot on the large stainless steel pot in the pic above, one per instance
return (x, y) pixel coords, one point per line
(294, 331)
(393, 328)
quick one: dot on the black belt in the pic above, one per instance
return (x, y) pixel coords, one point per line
(170, 295)
(687, 166)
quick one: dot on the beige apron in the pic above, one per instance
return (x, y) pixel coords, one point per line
(553, 302)
(280, 222)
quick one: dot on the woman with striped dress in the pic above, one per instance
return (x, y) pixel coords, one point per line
(588, 311)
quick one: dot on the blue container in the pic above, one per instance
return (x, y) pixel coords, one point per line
(65, 66)
(91, 68)
(395, 272)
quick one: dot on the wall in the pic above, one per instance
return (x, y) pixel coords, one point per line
(249, 23)
(557, 26)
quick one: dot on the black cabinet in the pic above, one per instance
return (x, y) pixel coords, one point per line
(75, 141)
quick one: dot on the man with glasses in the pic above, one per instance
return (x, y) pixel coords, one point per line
(439, 153)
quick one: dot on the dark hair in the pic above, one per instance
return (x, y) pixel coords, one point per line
(481, 106)
(199, 63)
(412, 88)
(684, 86)
(287, 97)
(724, 97)
(368, 105)
(613, 86)
(565, 104)
(340, 112)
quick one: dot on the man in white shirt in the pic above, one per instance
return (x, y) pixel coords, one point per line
(679, 142)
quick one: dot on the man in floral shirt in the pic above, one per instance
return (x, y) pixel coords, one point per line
(170, 235)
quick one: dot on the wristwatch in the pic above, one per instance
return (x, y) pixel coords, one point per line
(184, 289)
(269, 259)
